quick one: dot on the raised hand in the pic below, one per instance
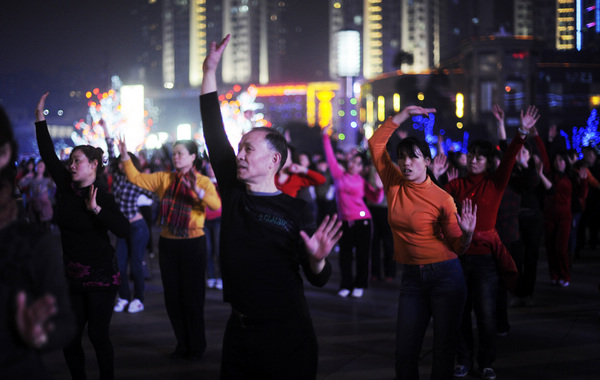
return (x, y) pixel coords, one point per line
(193, 184)
(90, 201)
(529, 118)
(440, 165)
(410, 111)
(498, 113)
(211, 62)
(319, 245)
(452, 174)
(468, 217)
(32, 321)
(39, 109)
(123, 155)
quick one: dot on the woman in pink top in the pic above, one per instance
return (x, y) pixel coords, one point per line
(428, 237)
(350, 189)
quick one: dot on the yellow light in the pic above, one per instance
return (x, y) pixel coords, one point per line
(337, 5)
(325, 109)
(286, 90)
(421, 96)
(380, 108)
(459, 125)
(396, 102)
(595, 100)
(341, 137)
(370, 106)
(88, 94)
(460, 105)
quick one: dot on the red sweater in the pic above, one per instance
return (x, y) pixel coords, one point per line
(486, 191)
(295, 182)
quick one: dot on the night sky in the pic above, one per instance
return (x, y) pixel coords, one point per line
(45, 36)
(59, 45)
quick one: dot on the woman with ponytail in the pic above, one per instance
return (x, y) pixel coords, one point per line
(185, 194)
(84, 214)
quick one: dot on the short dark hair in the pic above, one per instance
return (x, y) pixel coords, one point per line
(92, 153)
(483, 148)
(408, 146)
(276, 141)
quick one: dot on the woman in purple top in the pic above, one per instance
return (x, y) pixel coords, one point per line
(350, 189)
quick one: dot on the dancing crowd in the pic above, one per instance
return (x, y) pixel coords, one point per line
(462, 231)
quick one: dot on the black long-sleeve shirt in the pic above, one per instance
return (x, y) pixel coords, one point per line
(261, 247)
(88, 256)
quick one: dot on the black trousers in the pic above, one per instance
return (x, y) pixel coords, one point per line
(95, 309)
(269, 350)
(182, 269)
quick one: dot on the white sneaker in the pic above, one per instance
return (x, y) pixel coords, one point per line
(357, 292)
(210, 283)
(121, 305)
(219, 284)
(135, 306)
(343, 293)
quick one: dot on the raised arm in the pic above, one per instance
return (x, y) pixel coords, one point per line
(222, 155)
(209, 67)
(45, 145)
(499, 115)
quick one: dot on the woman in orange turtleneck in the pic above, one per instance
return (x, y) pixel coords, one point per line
(429, 235)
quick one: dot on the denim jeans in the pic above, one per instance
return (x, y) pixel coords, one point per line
(212, 230)
(481, 275)
(132, 250)
(437, 290)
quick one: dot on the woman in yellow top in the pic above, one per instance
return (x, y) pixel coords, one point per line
(428, 235)
(184, 196)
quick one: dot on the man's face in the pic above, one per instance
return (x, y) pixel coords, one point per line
(256, 161)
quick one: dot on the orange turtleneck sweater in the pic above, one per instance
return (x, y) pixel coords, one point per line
(421, 215)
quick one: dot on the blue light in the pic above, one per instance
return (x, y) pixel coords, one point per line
(578, 17)
(588, 135)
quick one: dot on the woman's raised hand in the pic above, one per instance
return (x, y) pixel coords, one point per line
(124, 156)
(39, 110)
(410, 111)
(468, 216)
(529, 118)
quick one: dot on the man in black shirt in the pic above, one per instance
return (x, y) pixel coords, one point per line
(266, 236)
